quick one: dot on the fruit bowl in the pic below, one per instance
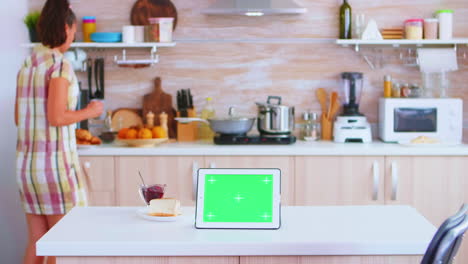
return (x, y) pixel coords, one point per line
(142, 143)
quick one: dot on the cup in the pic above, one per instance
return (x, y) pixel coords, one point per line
(139, 34)
(150, 192)
(128, 34)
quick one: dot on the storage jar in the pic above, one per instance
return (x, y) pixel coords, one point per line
(445, 17)
(431, 28)
(89, 27)
(414, 28)
(161, 29)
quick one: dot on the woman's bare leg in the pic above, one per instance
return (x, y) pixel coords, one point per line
(51, 221)
(37, 227)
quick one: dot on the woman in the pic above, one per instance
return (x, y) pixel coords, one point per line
(48, 171)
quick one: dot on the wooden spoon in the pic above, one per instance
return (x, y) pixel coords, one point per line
(322, 98)
(333, 98)
(336, 107)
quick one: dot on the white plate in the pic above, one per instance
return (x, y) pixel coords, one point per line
(79, 146)
(143, 213)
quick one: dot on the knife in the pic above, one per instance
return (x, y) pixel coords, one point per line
(190, 99)
(183, 108)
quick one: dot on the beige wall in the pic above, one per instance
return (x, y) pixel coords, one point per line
(220, 56)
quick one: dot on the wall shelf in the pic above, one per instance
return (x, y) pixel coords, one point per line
(117, 45)
(401, 42)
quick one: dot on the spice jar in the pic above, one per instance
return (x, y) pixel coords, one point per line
(414, 28)
(396, 90)
(431, 27)
(161, 29)
(415, 91)
(89, 27)
(405, 90)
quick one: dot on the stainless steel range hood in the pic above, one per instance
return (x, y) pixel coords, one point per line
(255, 7)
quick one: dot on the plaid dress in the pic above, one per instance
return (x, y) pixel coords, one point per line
(47, 166)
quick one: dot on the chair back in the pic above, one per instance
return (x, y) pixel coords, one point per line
(447, 240)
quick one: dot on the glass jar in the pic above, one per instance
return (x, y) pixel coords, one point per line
(414, 28)
(310, 130)
(161, 29)
(89, 27)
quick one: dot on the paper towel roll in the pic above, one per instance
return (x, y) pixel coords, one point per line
(436, 60)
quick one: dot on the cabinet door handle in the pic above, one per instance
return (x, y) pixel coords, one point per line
(86, 167)
(212, 165)
(376, 172)
(194, 179)
(394, 168)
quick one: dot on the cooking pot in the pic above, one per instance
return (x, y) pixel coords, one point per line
(231, 125)
(274, 118)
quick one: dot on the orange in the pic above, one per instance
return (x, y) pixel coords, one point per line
(145, 133)
(131, 134)
(159, 132)
(122, 133)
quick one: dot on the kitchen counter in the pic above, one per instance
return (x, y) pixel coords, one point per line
(301, 148)
(305, 231)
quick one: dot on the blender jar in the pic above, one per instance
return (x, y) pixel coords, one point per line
(352, 84)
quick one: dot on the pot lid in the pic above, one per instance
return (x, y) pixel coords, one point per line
(270, 104)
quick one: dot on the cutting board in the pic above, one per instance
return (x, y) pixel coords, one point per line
(144, 9)
(158, 102)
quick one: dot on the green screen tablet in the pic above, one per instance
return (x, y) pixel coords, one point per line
(238, 198)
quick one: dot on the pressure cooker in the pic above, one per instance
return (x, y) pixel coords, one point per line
(274, 118)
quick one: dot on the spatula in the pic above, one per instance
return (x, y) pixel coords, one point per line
(333, 99)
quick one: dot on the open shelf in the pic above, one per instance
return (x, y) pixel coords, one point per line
(400, 42)
(112, 45)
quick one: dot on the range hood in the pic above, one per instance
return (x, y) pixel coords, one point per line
(255, 7)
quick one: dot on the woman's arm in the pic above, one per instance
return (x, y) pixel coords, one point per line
(16, 111)
(57, 112)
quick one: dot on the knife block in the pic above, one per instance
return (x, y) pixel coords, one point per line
(187, 132)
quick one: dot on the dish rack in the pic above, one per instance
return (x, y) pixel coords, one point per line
(125, 62)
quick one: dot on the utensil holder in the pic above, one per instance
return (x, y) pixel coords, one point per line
(327, 128)
(187, 132)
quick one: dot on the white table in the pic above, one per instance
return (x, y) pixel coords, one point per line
(92, 232)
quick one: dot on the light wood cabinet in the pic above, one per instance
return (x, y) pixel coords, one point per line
(177, 172)
(285, 164)
(339, 180)
(435, 186)
(99, 176)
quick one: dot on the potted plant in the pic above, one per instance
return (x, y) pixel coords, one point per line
(31, 22)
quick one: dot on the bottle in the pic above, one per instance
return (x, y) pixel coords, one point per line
(108, 122)
(387, 86)
(204, 130)
(89, 27)
(345, 21)
(396, 90)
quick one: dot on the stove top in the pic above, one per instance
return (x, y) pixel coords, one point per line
(254, 140)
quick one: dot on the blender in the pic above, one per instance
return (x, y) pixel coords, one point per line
(352, 126)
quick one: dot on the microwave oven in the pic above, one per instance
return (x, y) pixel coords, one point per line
(404, 119)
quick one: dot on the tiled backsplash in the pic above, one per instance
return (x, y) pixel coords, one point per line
(239, 73)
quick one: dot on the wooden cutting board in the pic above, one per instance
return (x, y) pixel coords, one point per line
(144, 9)
(158, 102)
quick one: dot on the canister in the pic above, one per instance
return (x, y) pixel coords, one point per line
(445, 17)
(431, 28)
(161, 29)
(89, 27)
(414, 28)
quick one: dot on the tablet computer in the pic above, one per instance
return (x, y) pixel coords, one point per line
(238, 199)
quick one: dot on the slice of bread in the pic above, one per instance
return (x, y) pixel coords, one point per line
(164, 207)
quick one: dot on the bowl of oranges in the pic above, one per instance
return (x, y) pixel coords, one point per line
(142, 136)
